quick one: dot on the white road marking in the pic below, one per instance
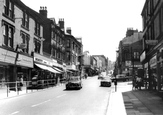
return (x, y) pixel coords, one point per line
(40, 103)
(60, 96)
(14, 112)
(46, 101)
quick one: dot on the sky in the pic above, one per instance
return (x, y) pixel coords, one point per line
(100, 23)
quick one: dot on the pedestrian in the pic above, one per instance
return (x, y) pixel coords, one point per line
(138, 80)
(134, 83)
(21, 82)
(154, 81)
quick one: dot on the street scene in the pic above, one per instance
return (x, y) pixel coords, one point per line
(89, 57)
(91, 99)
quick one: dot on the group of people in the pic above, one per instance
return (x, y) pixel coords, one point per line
(137, 82)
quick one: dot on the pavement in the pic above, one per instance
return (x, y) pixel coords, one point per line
(123, 100)
(126, 101)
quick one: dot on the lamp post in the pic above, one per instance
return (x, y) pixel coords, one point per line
(20, 46)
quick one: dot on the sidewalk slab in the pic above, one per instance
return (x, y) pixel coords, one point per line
(144, 102)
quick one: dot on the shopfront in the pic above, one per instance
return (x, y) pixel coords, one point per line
(43, 68)
(153, 72)
(11, 69)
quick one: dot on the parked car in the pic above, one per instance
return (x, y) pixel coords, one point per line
(100, 76)
(120, 77)
(74, 82)
(106, 82)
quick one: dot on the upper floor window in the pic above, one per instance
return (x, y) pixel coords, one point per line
(8, 8)
(25, 20)
(25, 40)
(37, 46)
(8, 35)
(54, 53)
(68, 43)
(136, 55)
(53, 35)
(37, 29)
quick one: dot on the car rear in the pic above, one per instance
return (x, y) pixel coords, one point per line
(106, 82)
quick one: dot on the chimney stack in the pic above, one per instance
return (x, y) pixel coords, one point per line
(43, 11)
(61, 23)
(68, 30)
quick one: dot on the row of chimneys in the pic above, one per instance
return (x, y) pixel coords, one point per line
(43, 11)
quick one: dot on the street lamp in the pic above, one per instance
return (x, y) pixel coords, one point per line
(18, 46)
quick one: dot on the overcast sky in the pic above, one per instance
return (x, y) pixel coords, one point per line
(100, 23)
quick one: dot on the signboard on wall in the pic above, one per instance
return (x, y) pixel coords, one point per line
(24, 61)
(7, 56)
(153, 61)
(128, 63)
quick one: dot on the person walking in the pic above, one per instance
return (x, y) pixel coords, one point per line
(139, 82)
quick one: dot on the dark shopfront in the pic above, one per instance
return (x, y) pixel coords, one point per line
(43, 68)
(46, 74)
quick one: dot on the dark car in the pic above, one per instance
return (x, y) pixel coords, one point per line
(120, 77)
(106, 82)
(74, 83)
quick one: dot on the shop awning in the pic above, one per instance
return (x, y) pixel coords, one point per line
(59, 70)
(46, 68)
(69, 71)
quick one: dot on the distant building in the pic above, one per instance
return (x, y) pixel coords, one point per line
(129, 52)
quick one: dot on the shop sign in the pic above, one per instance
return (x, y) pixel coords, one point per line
(42, 61)
(7, 56)
(151, 42)
(128, 63)
(38, 60)
(24, 61)
(153, 61)
(136, 66)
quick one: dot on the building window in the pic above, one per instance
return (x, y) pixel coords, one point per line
(37, 29)
(68, 43)
(25, 20)
(8, 35)
(8, 8)
(136, 55)
(37, 46)
(25, 40)
(54, 53)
